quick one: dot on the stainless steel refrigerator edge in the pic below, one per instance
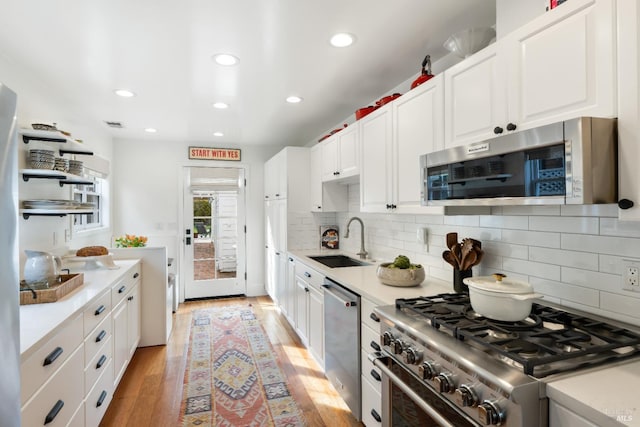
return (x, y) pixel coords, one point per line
(9, 298)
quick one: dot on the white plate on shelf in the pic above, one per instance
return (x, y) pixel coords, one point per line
(93, 262)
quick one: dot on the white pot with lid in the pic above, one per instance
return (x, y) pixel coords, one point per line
(499, 298)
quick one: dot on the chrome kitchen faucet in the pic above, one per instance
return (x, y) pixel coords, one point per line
(362, 254)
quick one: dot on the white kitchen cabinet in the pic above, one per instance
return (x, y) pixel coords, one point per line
(393, 139)
(309, 309)
(273, 180)
(559, 416)
(276, 244)
(301, 311)
(558, 66)
(126, 331)
(340, 155)
(316, 323)
(371, 376)
(286, 176)
(325, 196)
(287, 305)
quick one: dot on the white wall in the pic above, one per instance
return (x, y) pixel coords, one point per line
(146, 195)
(571, 254)
(39, 102)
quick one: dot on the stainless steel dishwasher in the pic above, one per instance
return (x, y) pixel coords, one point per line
(342, 342)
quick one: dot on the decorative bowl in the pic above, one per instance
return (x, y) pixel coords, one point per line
(398, 276)
(467, 42)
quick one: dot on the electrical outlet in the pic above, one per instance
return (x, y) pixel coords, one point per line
(422, 235)
(631, 274)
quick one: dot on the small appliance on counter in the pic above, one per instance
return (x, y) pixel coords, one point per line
(329, 237)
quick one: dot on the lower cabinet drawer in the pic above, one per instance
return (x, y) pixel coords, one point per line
(98, 365)
(99, 398)
(371, 405)
(370, 339)
(96, 339)
(96, 312)
(371, 373)
(50, 356)
(58, 400)
(78, 418)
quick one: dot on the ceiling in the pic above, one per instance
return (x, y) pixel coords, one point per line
(162, 51)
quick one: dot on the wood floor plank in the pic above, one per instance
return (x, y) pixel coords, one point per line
(150, 392)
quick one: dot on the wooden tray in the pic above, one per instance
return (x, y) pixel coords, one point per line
(53, 293)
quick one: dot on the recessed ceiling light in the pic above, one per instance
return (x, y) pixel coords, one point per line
(294, 99)
(342, 40)
(151, 130)
(225, 59)
(218, 134)
(220, 105)
(124, 93)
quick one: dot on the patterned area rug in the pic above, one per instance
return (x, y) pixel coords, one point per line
(232, 376)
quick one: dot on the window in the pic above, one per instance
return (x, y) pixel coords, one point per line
(94, 194)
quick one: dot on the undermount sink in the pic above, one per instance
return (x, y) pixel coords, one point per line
(334, 261)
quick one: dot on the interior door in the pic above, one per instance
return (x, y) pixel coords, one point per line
(214, 232)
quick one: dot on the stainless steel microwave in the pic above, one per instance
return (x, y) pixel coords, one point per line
(569, 162)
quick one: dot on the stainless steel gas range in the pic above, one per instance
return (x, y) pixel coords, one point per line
(445, 365)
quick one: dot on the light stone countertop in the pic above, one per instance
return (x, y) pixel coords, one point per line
(39, 322)
(363, 280)
(597, 395)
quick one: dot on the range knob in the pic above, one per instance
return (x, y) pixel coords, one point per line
(387, 338)
(466, 396)
(412, 356)
(489, 413)
(427, 370)
(444, 383)
(397, 346)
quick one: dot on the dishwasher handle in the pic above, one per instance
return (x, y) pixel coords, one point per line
(346, 302)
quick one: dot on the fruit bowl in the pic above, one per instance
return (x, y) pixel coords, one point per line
(467, 42)
(403, 277)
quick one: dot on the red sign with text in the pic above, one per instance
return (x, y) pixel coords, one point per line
(207, 153)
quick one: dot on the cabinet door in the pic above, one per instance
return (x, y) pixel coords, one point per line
(120, 340)
(315, 178)
(375, 151)
(329, 158)
(289, 293)
(316, 324)
(475, 97)
(348, 152)
(563, 65)
(133, 320)
(301, 325)
(418, 129)
(270, 179)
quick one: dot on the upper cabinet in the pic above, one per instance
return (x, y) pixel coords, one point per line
(324, 196)
(558, 66)
(393, 138)
(275, 177)
(340, 155)
(286, 176)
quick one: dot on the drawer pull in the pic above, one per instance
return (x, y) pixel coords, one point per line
(99, 310)
(101, 335)
(130, 298)
(374, 345)
(103, 359)
(375, 318)
(376, 416)
(53, 412)
(376, 376)
(101, 399)
(135, 276)
(122, 289)
(307, 274)
(52, 356)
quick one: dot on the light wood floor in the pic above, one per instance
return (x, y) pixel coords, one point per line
(150, 392)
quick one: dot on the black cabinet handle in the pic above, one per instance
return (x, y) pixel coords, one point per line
(52, 356)
(290, 259)
(374, 345)
(388, 206)
(277, 195)
(53, 412)
(122, 289)
(307, 274)
(266, 197)
(319, 207)
(375, 318)
(511, 127)
(625, 204)
(376, 376)
(393, 206)
(135, 276)
(337, 172)
(101, 335)
(376, 416)
(103, 359)
(498, 130)
(99, 310)
(306, 289)
(130, 298)
(101, 399)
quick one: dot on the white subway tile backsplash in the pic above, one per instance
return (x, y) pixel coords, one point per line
(621, 246)
(587, 261)
(620, 304)
(610, 210)
(463, 220)
(564, 291)
(531, 210)
(615, 227)
(531, 238)
(505, 249)
(608, 313)
(530, 268)
(583, 225)
(591, 279)
(501, 221)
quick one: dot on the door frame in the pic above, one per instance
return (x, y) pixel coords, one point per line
(181, 217)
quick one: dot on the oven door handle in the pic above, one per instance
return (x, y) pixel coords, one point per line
(378, 361)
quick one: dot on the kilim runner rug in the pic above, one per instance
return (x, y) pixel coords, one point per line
(232, 376)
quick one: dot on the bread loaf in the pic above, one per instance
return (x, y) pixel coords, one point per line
(92, 251)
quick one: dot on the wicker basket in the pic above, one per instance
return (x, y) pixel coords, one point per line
(53, 293)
